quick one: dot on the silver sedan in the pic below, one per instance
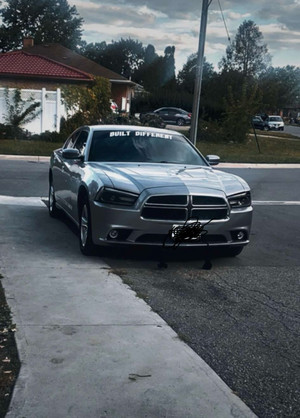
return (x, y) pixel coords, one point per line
(132, 185)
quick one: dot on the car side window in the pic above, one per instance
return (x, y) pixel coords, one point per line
(71, 140)
(163, 112)
(81, 141)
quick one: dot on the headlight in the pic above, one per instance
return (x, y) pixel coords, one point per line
(116, 197)
(240, 200)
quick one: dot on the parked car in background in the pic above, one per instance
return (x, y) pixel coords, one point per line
(171, 115)
(259, 123)
(275, 122)
(135, 185)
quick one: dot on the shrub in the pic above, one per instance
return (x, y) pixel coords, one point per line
(47, 137)
(153, 120)
(120, 119)
(12, 132)
(210, 131)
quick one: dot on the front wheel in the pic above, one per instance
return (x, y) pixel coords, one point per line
(85, 230)
(52, 208)
(266, 128)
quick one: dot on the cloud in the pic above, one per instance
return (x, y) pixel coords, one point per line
(163, 23)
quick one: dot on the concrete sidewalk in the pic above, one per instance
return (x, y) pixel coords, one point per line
(89, 347)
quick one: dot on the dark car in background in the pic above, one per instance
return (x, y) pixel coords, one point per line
(259, 123)
(170, 115)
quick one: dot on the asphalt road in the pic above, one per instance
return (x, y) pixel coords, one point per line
(293, 130)
(242, 316)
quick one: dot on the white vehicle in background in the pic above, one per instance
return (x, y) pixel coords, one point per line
(275, 122)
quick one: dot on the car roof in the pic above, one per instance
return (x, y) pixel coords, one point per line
(170, 107)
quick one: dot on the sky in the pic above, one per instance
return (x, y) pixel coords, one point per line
(177, 22)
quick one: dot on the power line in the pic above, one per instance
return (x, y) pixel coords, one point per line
(224, 21)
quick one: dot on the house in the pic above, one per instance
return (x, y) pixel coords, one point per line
(121, 88)
(41, 70)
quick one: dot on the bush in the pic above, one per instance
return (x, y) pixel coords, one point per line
(12, 132)
(153, 120)
(120, 119)
(47, 137)
(210, 131)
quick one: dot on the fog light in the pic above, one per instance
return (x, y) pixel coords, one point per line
(240, 235)
(113, 234)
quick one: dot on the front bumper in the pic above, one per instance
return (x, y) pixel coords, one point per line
(134, 230)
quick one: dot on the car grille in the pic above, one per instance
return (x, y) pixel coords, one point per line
(183, 207)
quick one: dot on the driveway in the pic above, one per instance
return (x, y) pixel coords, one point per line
(241, 317)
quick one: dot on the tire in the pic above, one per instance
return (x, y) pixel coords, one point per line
(180, 122)
(86, 244)
(54, 212)
(266, 128)
(233, 251)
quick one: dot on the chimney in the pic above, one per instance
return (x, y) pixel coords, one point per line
(28, 42)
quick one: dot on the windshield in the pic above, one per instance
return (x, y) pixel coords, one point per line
(143, 146)
(275, 118)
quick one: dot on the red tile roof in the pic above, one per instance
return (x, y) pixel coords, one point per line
(20, 63)
(68, 57)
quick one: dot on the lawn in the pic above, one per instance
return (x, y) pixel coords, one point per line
(277, 148)
(24, 147)
(272, 150)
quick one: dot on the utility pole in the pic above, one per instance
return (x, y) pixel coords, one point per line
(199, 71)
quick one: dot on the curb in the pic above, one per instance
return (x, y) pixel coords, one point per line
(221, 165)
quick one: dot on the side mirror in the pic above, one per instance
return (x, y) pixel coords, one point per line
(213, 159)
(71, 154)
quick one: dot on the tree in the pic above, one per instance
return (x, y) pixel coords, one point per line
(280, 87)
(150, 55)
(93, 51)
(239, 108)
(88, 105)
(124, 56)
(19, 111)
(43, 20)
(247, 53)
(186, 77)
(168, 74)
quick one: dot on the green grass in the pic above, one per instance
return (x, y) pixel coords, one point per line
(22, 147)
(273, 150)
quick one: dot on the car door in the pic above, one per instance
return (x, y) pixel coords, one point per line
(74, 172)
(59, 172)
(173, 115)
(164, 114)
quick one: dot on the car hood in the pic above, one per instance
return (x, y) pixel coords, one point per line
(137, 177)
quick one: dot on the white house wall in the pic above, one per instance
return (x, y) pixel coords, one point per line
(51, 109)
